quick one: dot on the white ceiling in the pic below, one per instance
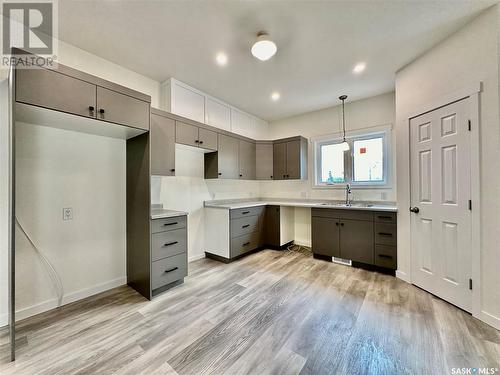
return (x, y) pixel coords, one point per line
(319, 42)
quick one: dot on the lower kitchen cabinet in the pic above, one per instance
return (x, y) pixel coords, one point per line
(361, 236)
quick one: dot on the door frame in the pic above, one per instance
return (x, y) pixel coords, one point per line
(472, 92)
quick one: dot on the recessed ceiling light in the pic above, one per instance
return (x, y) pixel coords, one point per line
(221, 59)
(275, 96)
(359, 67)
(264, 48)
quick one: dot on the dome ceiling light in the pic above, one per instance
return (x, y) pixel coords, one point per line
(264, 48)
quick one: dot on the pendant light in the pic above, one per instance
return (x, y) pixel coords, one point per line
(344, 145)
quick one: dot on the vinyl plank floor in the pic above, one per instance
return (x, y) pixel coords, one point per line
(271, 312)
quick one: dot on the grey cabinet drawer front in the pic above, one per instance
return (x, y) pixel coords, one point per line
(50, 89)
(166, 244)
(385, 217)
(342, 214)
(385, 234)
(168, 223)
(122, 109)
(244, 225)
(243, 244)
(243, 212)
(325, 212)
(168, 270)
(386, 256)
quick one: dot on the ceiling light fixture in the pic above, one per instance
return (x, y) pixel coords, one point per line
(275, 96)
(359, 68)
(221, 59)
(344, 145)
(264, 48)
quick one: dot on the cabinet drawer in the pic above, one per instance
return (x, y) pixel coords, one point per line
(168, 223)
(385, 234)
(325, 212)
(242, 212)
(244, 244)
(244, 225)
(168, 270)
(385, 217)
(386, 256)
(166, 244)
(122, 109)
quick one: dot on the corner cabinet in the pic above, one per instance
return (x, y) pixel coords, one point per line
(290, 159)
(367, 237)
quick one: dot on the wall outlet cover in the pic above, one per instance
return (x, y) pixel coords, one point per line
(67, 213)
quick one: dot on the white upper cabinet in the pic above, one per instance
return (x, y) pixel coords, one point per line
(184, 100)
(217, 114)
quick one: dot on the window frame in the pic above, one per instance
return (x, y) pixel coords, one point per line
(383, 132)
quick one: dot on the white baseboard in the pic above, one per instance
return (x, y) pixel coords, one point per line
(403, 276)
(490, 319)
(196, 257)
(68, 298)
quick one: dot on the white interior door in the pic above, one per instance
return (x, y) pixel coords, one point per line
(440, 194)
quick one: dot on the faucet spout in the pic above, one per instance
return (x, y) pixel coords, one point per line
(348, 192)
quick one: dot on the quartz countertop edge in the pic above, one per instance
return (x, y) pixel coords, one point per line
(371, 206)
(162, 213)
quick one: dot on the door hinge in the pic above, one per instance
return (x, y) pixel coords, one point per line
(470, 125)
(470, 284)
(470, 205)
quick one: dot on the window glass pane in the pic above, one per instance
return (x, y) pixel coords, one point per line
(332, 164)
(369, 160)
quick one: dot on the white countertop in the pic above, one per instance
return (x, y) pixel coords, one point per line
(160, 213)
(309, 203)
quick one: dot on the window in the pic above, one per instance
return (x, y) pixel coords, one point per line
(364, 164)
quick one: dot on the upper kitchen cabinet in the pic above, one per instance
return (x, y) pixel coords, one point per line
(50, 89)
(183, 100)
(192, 135)
(224, 163)
(242, 123)
(71, 91)
(264, 160)
(246, 160)
(162, 145)
(122, 109)
(290, 159)
(217, 114)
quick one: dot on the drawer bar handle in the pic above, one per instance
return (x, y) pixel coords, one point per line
(246, 244)
(385, 217)
(171, 243)
(385, 234)
(171, 269)
(174, 223)
(385, 256)
(245, 212)
(245, 226)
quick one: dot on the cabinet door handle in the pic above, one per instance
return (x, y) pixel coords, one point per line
(241, 175)
(201, 142)
(385, 256)
(91, 108)
(220, 174)
(341, 224)
(245, 212)
(385, 217)
(196, 141)
(246, 244)
(337, 224)
(101, 111)
(171, 269)
(174, 223)
(245, 226)
(271, 177)
(385, 234)
(171, 243)
(172, 170)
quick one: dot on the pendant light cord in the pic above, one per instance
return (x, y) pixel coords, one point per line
(343, 98)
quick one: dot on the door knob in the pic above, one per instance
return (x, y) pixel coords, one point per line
(415, 210)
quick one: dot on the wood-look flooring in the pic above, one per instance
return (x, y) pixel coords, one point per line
(269, 313)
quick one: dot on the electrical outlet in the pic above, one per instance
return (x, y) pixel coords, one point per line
(67, 213)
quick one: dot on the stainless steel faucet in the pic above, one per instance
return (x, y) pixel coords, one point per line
(348, 192)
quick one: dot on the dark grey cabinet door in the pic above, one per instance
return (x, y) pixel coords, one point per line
(356, 241)
(186, 134)
(50, 89)
(325, 233)
(279, 161)
(264, 161)
(272, 226)
(122, 109)
(246, 160)
(162, 146)
(293, 160)
(208, 139)
(228, 156)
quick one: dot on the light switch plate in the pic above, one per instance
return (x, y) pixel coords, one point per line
(67, 213)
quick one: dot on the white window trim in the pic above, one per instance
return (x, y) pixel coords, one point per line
(384, 130)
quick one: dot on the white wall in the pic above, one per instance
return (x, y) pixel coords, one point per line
(366, 113)
(467, 57)
(4, 203)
